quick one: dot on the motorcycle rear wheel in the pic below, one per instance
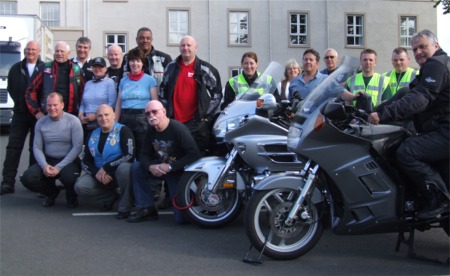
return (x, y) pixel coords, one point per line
(264, 224)
(206, 209)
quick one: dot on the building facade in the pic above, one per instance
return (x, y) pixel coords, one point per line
(277, 30)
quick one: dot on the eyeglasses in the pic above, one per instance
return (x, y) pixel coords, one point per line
(154, 112)
(329, 57)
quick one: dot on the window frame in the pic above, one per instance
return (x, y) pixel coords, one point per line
(289, 22)
(115, 33)
(46, 20)
(7, 10)
(408, 36)
(180, 34)
(229, 34)
(234, 68)
(363, 28)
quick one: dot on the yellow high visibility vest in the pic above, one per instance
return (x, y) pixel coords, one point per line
(240, 85)
(406, 77)
(375, 87)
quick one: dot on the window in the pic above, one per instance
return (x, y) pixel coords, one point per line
(408, 27)
(238, 28)
(119, 39)
(234, 71)
(298, 29)
(8, 7)
(50, 13)
(178, 25)
(355, 30)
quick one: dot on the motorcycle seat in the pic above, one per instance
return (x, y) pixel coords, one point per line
(385, 139)
(376, 132)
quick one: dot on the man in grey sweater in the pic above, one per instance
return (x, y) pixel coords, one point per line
(57, 144)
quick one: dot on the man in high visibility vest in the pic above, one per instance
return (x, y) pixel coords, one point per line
(368, 81)
(402, 74)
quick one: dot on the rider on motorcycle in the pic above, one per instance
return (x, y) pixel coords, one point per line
(427, 103)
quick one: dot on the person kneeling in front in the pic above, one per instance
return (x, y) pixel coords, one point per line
(107, 161)
(168, 149)
(58, 142)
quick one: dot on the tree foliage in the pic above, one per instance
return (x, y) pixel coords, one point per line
(445, 5)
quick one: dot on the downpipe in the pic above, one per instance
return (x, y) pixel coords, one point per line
(215, 167)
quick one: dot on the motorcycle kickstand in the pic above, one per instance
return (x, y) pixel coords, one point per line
(410, 243)
(249, 260)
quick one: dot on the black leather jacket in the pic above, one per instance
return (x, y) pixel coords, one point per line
(18, 83)
(208, 84)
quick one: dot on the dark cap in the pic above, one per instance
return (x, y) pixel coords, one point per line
(99, 61)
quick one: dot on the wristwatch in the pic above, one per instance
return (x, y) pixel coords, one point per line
(170, 167)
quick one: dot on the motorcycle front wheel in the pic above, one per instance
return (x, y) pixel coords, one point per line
(265, 216)
(203, 207)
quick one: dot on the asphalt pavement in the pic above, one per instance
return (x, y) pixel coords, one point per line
(82, 241)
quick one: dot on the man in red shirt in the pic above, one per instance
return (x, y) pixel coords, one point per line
(191, 91)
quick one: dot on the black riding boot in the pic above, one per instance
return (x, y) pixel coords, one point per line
(436, 204)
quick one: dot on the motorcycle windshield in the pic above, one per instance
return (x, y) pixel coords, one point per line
(265, 83)
(331, 87)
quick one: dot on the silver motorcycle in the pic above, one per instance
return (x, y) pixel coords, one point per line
(212, 190)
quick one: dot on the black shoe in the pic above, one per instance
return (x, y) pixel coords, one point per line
(72, 203)
(432, 211)
(6, 188)
(49, 201)
(107, 206)
(143, 215)
(122, 215)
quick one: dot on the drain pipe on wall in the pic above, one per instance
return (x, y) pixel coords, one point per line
(85, 18)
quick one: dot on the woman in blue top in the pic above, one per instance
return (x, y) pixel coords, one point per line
(100, 90)
(135, 91)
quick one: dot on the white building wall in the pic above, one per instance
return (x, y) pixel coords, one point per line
(268, 26)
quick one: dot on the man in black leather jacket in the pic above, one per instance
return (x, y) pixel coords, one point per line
(427, 103)
(191, 91)
(20, 77)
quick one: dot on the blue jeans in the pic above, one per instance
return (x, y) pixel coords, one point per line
(141, 180)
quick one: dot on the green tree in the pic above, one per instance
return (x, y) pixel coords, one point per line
(445, 5)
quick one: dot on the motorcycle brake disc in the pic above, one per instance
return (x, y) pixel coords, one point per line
(277, 219)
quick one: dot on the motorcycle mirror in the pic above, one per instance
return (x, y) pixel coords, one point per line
(334, 111)
(266, 102)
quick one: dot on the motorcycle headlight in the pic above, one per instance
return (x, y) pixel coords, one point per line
(222, 127)
(293, 138)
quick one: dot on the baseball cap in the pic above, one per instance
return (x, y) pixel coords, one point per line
(99, 61)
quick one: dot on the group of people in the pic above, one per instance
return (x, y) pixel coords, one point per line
(130, 138)
(146, 116)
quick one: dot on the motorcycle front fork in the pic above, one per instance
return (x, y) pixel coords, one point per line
(304, 191)
(214, 186)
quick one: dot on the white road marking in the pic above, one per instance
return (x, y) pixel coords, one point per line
(112, 214)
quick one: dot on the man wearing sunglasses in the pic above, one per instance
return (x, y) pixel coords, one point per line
(331, 59)
(168, 149)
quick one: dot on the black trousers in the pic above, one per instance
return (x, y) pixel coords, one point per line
(136, 121)
(35, 180)
(200, 130)
(22, 123)
(419, 157)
